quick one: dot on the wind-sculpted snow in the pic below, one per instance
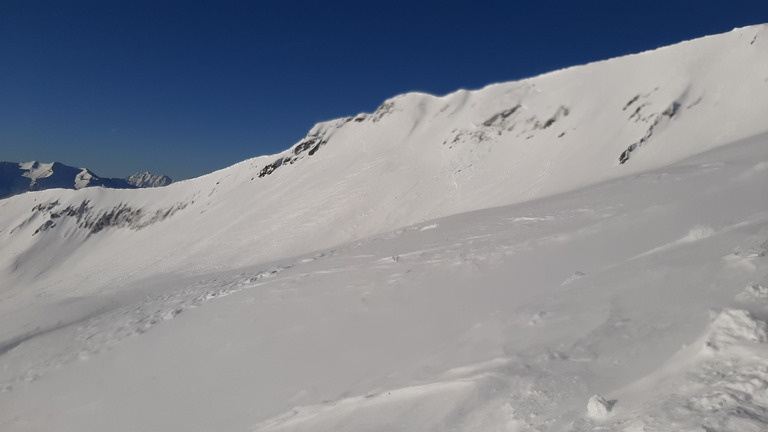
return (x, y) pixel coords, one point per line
(477, 261)
(718, 383)
(92, 332)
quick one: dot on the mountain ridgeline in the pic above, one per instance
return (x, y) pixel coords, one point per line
(146, 179)
(17, 178)
(417, 157)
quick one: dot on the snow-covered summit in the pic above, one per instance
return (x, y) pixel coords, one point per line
(17, 178)
(147, 179)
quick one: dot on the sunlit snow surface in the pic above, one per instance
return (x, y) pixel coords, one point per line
(508, 285)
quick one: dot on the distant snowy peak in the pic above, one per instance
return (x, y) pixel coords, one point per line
(147, 179)
(35, 170)
(17, 178)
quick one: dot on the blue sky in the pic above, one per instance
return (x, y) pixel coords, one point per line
(187, 87)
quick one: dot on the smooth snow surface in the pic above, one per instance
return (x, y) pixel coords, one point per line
(480, 261)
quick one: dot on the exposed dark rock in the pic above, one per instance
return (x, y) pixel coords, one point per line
(120, 216)
(384, 109)
(624, 156)
(304, 145)
(148, 180)
(269, 169)
(668, 113)
(631, 101)
(505, 121)
(672, 109)
(309, 145)
(501, 116)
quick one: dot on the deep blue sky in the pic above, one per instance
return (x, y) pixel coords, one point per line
(187, 87)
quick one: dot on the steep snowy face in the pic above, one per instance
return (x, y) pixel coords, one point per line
(417, 157)
(146, 179)
(561, 314)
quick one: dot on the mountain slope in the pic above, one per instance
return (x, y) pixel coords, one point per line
(146, 179)
(485, 260)
(417, 157)
(509, 318)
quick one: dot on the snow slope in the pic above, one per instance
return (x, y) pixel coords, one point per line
(508, 318)
(417, 157)
(478, 261)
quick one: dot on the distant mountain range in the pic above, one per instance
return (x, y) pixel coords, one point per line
(17, 178)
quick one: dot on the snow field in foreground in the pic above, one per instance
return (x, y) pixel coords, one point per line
(646, 290)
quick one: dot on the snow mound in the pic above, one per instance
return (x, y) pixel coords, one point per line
(599, 407)
(700, 232)
(733, 326)
(723, 387)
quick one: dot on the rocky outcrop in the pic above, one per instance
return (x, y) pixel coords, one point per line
(148, 180)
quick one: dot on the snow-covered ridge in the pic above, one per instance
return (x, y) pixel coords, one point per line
(418, 157)
(17, 178)
(147, 179)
